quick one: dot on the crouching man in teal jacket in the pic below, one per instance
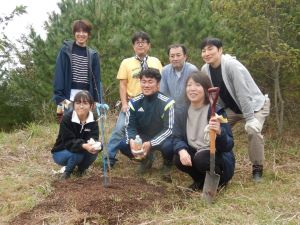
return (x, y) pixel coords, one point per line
(152, 118)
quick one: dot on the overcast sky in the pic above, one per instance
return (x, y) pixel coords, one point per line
(37, 14)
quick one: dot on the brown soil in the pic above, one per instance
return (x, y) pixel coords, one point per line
(92, 203)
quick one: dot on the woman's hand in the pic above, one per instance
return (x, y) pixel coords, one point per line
(185, 157)
(89, 147)
(214, 124)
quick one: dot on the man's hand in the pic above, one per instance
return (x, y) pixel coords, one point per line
(133, 148)
(131, 144)
(123, 95)
(253, 126)
(185, 157)
(124, 107)
(146, 147)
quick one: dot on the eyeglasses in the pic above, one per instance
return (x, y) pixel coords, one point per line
(140, 42)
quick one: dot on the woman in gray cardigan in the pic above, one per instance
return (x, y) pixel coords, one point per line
(191, 139)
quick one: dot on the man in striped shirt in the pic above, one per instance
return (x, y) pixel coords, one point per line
(151, 116)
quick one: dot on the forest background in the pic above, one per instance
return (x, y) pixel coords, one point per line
(263, 35)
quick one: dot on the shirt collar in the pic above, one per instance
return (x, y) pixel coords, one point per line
(75, 118)
(141, 59)
(181, 68)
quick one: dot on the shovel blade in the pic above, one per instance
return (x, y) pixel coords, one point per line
(106, 181)
(210, 187)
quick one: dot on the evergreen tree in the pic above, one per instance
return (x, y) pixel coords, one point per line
(114, 23)
(265, 35)
(7, 61)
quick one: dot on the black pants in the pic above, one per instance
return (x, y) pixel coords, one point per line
(200, 164)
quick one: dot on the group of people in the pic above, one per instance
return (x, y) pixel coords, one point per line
(167, 107)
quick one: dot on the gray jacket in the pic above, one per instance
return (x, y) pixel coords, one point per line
(240, 85)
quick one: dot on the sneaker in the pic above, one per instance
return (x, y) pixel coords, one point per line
(146, 164)
(197, 186)
(80, 173)
(65, 175)
(166, 170)
(257, 171)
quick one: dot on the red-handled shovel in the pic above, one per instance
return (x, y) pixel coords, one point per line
(212, 179)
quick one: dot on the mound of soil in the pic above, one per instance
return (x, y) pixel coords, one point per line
(91, 202)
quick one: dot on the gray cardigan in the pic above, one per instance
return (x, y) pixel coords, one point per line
(240, 85)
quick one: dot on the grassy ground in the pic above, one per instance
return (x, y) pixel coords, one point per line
(25, 180)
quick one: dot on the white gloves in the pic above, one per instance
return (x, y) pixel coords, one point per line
(253, 126)
(96, 144)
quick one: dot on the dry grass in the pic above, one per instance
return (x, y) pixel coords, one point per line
(24, 171)
(25, 180)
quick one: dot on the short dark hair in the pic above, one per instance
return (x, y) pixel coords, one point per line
(85, 96)
(184, 50)
(140, 34)
(203, 79)
(151, 73)
(211, 41)
(84, 25)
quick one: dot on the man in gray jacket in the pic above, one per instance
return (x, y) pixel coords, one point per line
(240, 96)
(174, 75)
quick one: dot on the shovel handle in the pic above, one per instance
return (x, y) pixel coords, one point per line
(212, 143)
(213, 94)
(213, 98)
(212, 150)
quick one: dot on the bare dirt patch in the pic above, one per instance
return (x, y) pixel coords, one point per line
(87, 201)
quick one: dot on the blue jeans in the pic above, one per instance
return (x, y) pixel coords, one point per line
(116, 137)
(166, 148)
(71, 159)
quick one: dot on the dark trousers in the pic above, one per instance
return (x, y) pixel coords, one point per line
(225, 163)
(166, 148)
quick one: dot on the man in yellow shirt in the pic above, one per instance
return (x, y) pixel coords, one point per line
(128, 76)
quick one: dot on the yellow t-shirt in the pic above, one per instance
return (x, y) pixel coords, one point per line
(130, 69)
